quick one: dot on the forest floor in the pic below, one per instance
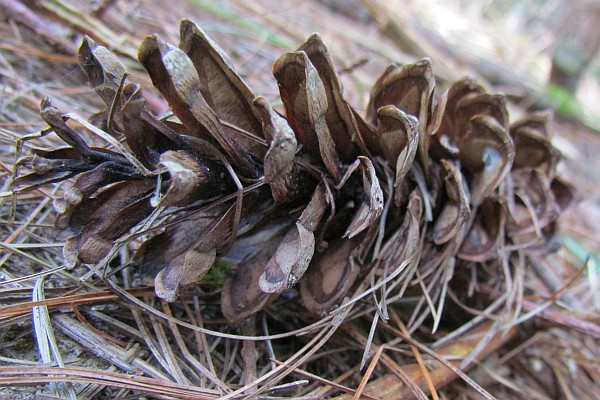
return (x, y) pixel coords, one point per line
(112, 346)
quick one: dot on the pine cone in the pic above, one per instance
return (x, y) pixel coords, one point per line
(427, 183)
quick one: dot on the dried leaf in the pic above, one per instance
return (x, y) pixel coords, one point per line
(305, 100)
(455, 211)
(372, 207)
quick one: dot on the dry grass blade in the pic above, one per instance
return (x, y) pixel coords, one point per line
(394, 368)
(67, 301)
(368, 372)
(103, 348)
(40, 375)
(391, 387)
(499, 340)
(424, 371)
(291, 363)
(46, 340)
(326, 382)
(143, 306)
(165, 349)
(189, 357)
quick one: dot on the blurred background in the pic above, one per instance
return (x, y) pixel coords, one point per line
(543, 53)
